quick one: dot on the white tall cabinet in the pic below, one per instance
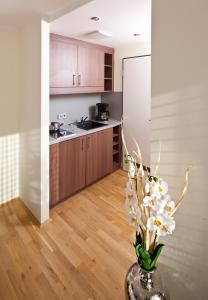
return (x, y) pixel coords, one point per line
(137, 104)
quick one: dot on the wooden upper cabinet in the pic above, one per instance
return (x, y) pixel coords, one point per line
(99, 155)
(90, 66)
(76, 66)
(63, 64)
(71, 166)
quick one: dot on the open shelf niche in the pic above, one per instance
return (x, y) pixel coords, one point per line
(116, 147)
(108, 72)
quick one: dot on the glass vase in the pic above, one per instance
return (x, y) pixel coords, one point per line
(143, 285)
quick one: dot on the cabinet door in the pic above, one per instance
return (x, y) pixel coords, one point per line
(90, 66)
(71, 166)
(106, 152)
(54, 174)
(63, 64)
(99, 148)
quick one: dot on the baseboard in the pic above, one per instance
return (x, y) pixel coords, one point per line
(33, 218)
(9, 200)
(45, 223)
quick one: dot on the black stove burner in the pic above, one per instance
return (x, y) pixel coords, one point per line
(60, 133)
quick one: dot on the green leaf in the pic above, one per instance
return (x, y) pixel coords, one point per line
(156, 254)
(138, 239)
(144, 258)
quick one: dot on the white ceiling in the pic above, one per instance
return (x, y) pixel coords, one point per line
(19, 12)
(122, 18)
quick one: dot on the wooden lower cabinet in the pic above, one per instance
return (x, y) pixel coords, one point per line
(54, 174)
(79, 162)
(71, 166)
(99, 153)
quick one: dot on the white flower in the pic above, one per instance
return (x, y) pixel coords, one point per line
(148, 201)
(131, 197)
(132, 169)
(149, 185)
(161, 224)
(152, 188)
(162, 187)
(169, 205)
(156, 204)
(157, 189)
(129, 187)
(132, 204)
(134, 218)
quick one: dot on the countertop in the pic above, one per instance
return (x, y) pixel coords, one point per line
(77, 132)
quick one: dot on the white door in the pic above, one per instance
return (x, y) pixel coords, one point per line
(136, 104)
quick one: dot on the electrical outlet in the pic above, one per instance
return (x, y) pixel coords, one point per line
(61, 116)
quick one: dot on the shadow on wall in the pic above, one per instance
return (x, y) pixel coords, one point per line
(9, 167)
(180, 122)
(14, 162)
(29, 154)
(92, 112)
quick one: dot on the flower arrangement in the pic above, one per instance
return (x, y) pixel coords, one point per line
(150, 209)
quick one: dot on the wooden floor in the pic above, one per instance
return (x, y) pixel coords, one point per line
(83, 253)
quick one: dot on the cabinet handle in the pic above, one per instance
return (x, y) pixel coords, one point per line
(74, 79)
(82, 144)
(79, 79)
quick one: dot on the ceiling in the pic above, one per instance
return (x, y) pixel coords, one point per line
(19, 12)
(122, 18)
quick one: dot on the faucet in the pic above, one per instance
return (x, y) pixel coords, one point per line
(83, 119)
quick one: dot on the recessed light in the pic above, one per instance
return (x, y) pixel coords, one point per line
(95, 19)
(136, 34)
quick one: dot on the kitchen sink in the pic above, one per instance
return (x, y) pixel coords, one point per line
(87, 125)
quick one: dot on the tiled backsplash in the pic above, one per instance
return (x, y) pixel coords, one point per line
(75, 106)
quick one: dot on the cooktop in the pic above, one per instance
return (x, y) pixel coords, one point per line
(60, 133)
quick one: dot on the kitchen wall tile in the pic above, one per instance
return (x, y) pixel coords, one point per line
(75, 106)
(115, 101)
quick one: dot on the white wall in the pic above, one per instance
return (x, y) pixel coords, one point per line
(9, 113)
(45, 48)
(120, 53)
(75, 106)
(179, 121)
(34, 119)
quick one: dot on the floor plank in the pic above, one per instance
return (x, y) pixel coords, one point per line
(83, 253)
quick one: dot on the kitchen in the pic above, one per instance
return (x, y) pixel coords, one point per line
(86, 93)
(51, 248)
(81, 248)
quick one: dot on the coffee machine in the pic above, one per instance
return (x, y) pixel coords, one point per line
(102, 112)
